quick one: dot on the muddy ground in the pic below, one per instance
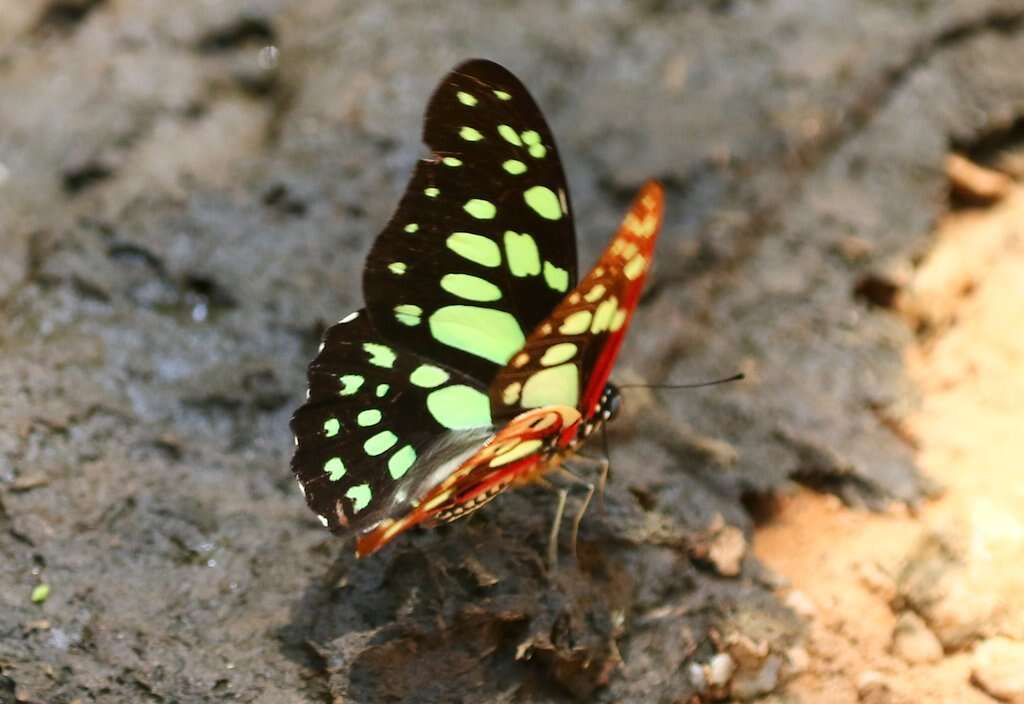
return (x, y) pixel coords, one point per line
(182, 210)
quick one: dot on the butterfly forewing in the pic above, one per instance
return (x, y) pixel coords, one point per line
(569, 356)
(482, 245)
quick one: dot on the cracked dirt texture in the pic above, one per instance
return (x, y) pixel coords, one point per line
(180, 216)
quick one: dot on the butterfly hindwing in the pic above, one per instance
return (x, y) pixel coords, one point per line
(514, 455)
(569, 356)
(378, 420)
(482, 246)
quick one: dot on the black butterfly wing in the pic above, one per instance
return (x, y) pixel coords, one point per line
(480, 250)
(482, 246)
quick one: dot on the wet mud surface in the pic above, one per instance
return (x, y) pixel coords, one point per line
(183, 210)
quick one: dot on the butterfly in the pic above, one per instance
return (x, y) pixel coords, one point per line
(479, 361)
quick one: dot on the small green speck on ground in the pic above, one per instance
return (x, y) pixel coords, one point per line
(40, 593)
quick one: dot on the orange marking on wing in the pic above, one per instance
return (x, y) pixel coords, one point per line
(476, 476)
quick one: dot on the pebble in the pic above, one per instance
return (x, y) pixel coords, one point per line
(913, 642)
(801, 604)
(720, 669)
(728, 548)
(873, 688)
(998, 669)
(750, 685)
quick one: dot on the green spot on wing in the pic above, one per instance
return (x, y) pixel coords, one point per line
(475, 248)
(331, 427)
(360, 495)
(335, 468)
(502, 95)
(458, 407)
(379, 443)
(472, 288)
(487, 333)
(451, 161)
(369, 417)
(480, 209)
(509, 135)
(350, 383)
(470, 134)
(411, 228)
(397, 268)
(544, 202)
(382, 390)
(537, 151)
(523, 257)
(400, 462)
(408, 314)
(381, 355)
(431, 192)
(466, 99)
(514, 167)
(428, 376)
(556, 277)
(531, 137)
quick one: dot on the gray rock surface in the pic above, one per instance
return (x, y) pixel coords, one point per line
(182, 211)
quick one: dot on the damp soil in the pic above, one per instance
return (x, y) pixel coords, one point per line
(187, 194)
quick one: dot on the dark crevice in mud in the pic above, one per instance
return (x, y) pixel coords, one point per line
(66, 15)
(853, 490)
(281, 199)
(763, 507)
(80, 177)
(989, 146)
(877, 291)
(894, 426)
(998, 21)
(208, 292)
(237, 34)
(131, 254)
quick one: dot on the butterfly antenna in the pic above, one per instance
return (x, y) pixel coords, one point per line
(734, 377)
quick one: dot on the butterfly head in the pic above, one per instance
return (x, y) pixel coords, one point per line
(610, 404)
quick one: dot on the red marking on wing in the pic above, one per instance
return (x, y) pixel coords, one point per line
(639, 229)
(496, 465)
(588, 324)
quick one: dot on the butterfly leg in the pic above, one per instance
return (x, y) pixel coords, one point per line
(604, 465)
(606, 468)
(586, 502)
(556, 524)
